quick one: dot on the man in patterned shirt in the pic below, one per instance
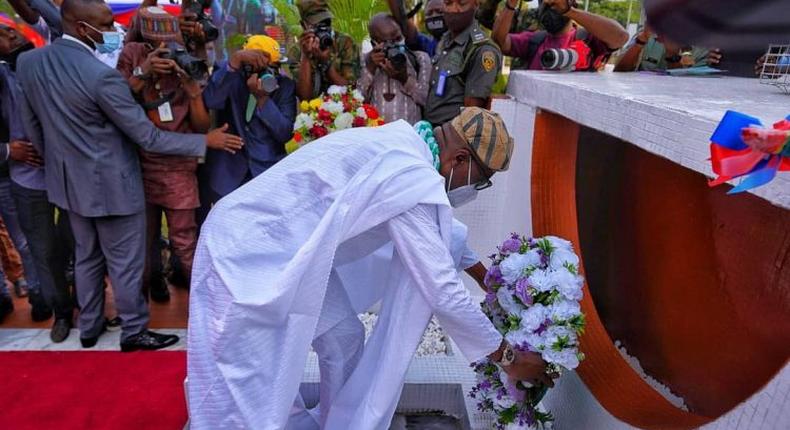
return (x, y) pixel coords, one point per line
(324, 57)
(396, 85)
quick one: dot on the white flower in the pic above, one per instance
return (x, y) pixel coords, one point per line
(336, 90)
(533, 317)
(344, 120)
(333, 107)
(508, 302)
(572, 289)
(561, 257)
(564, 310)
(553, 334)
(361, 112)
(518, 337)
(541, 281)
(514, 266)
(358, 96)
(559, 243)
(303, 120)
(566, 358)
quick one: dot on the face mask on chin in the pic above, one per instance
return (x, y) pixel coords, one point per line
(552, 20)
(459, 21)
(435, 25)
(461, 195)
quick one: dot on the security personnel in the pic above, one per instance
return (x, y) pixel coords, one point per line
(465, 67)
(324, 57)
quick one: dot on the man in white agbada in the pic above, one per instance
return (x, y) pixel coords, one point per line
(289, 260)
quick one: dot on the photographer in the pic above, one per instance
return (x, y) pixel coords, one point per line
(395, 79)
(324, 57)
(600, 34)
(260, 104)
(172, 98)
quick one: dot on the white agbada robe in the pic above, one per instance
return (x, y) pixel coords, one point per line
(266, 284)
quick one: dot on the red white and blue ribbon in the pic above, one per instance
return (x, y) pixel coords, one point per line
(742, 148)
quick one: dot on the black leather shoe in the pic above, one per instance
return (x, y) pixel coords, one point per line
(148, 340)
(90, 342)
(113, 324)
(159, 291)
(60, 330)
(6, 307)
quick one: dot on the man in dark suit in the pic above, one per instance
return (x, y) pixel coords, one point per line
(80, 114)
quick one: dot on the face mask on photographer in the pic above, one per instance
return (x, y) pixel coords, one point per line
(112, 40)
(457, 22)
(435, 25)
(551, 20)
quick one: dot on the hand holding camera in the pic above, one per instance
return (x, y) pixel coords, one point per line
(254, 58)
(391, 58)
(158, 63)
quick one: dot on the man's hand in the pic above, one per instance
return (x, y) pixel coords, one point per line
(714, 57)
(190, 28)
(308, 44)
(24, 152)
(375, 58)
(254, 86)
(401, 75)
(252, 57)
(155, 64)
(560, 6)
(529, 367)
(218, 139)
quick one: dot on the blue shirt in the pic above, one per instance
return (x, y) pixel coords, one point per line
(425, 43)
(10, 93)
(264, 136)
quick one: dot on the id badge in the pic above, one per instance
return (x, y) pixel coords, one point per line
(165, 112)
(441, 83)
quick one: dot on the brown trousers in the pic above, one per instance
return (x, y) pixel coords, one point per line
(12, 262)
(182, 233)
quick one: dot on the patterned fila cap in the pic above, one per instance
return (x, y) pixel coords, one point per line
(486, 135)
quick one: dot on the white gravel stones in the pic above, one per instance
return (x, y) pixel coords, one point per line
(433, 340)
(661, 388)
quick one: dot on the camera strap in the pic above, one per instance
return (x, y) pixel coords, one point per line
(158, 102)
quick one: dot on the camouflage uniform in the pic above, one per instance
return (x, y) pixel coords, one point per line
(344, 56)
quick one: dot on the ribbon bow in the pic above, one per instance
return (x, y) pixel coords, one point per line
(742, 147)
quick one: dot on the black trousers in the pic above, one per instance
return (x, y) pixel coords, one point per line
(51, 244)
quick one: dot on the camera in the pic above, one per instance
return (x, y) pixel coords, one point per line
(577, 57)
(198, 7)
(268, 77)
(396, 54)
(325, 35)
(559, 59)
(194, 67)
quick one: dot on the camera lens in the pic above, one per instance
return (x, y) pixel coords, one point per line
(559, 59)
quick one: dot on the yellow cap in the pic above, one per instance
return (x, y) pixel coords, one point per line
(265, 44)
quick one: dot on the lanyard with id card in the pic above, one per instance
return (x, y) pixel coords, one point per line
(165, 112)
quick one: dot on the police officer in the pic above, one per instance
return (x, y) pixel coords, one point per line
(465, 67)
(324, 57)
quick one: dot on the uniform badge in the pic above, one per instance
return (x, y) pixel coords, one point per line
(489, 61)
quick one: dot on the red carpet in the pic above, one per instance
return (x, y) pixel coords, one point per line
(92, 390)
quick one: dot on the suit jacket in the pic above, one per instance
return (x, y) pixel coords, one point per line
(80, 114)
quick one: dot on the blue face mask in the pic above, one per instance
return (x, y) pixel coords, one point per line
(112, 40)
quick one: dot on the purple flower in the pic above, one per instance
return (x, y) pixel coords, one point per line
(511, 245)
(485, 384)
(522, 287)
(493, 277)
(490, 298)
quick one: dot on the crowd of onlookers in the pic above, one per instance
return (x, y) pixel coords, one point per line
(96, 159)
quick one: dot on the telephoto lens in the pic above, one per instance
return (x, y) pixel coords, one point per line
(559, 59)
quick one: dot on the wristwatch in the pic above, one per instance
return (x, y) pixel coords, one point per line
(508, 356)
(139, 74)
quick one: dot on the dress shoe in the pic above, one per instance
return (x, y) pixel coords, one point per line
(60, 330)
(6, 307)
(113, 324)
(90, 342)
(148, 340)
(159, 291)
(20, 288)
